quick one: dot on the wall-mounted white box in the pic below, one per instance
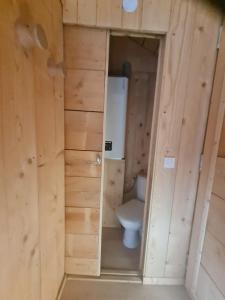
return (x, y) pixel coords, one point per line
(116, 117)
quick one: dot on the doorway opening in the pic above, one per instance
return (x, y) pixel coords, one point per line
(129, 132)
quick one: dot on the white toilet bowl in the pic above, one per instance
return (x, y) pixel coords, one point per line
(130, 216)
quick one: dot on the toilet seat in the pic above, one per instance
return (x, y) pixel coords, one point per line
(131, 213)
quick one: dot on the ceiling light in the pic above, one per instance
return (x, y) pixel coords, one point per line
(130, 5)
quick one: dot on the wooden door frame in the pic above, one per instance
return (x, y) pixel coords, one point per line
(151, 153)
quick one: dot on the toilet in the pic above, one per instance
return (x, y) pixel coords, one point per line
(130, 215)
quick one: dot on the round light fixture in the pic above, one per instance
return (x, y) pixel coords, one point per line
(130, 5)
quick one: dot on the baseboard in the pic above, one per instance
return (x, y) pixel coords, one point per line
(107, 278)
(61, 288)
(163, 281)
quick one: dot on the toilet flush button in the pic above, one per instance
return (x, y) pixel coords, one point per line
(169, 162)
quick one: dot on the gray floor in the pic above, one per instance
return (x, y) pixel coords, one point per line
(114, 254)
(101, 290)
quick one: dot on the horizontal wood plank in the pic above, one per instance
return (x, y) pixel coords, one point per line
(82, 246)
(82, 220)
(219, 179)
(83, 192)
(85, 48)
(113, 190)
(213, 260)
(83, 130)
(84, 90)
(81, 266)
(82, 163)
(206, 287)
(216, 218)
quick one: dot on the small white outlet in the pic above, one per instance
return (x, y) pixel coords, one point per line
(169, 162)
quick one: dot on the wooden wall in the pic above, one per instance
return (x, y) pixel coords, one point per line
(185, 97)
(150, 15)
(221, 152)
(211, 276)
(114, 171)
(187, 70)
(85, 62)
(198, 281)
(31, 156)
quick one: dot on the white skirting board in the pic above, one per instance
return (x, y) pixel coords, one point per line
(163, 281)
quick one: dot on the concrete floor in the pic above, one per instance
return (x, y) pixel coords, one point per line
(103, 290)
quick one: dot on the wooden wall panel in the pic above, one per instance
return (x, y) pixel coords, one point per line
(221, 152)
(85, 48)
(81, 266)
(171, 212)
(194, 121)
(49, 103)
(210, 151)
(156, 15)
(213, 253)
(82, 163)
(69, 11)
(19, 237)
(83, 192)
(84, 90)
(206, 288)
(109, 13)
(32, 160)
(82, 246)
(216, 218)
(86, 12)
(83, 130)
(114, 171)
(219, 178)
(85, 60)
(213, 260)
(151, 16)
(82, 220)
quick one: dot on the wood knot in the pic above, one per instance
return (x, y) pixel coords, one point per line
(21, 175)
(29, 161)
(203, 84)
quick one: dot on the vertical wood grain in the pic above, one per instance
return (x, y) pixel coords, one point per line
(210, 151)
(109, 13)
(70, 11)
(156, 15)
(86, 12)
(172, 210)
(19, 238)
(85, 60)
(192, 137)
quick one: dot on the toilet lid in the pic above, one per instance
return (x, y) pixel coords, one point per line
(132, 211)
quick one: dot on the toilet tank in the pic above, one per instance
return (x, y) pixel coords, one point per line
(141, 187)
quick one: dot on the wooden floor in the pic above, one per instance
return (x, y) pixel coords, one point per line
(115, 255)
(103, 290)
